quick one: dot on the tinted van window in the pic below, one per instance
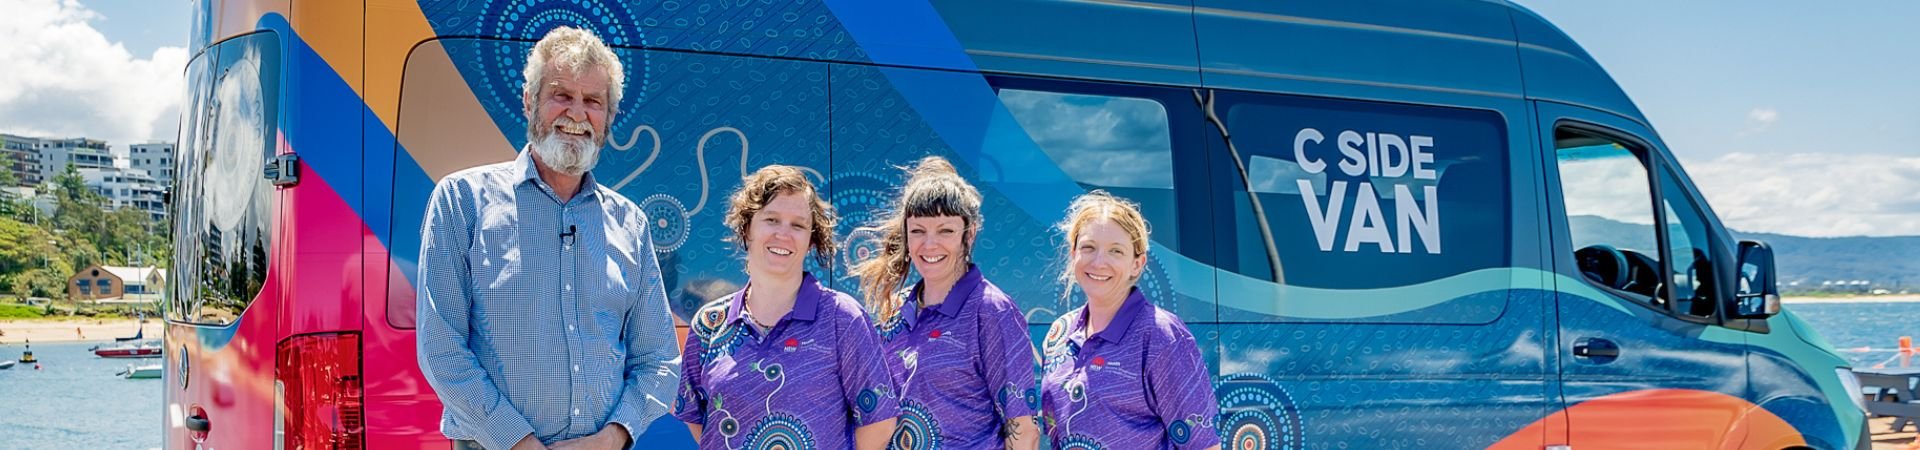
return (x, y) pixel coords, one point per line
(224, 208)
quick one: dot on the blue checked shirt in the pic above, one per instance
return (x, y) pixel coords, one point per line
(524, 331)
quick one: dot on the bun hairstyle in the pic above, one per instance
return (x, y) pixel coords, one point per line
(1096, 206)
(933, 189)
(760, 188)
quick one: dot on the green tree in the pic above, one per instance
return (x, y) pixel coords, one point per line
(91, 232)
(31, 262)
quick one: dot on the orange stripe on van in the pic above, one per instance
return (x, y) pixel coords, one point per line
(237, 17)
(393, 28)
(332, 29)
(1661, 418)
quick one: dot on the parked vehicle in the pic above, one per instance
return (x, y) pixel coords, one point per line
(1390, 223)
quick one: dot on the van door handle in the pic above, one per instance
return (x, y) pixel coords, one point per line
(1595, 348)
(199, 423)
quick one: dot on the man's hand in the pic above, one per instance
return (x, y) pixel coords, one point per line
(611, 437)
(529, 443)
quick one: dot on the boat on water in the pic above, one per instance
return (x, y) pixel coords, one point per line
(6, 365)
(139, 330)
(133, 349)
(26, 357)
(141, 372)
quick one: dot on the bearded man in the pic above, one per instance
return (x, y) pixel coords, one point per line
(543, 320)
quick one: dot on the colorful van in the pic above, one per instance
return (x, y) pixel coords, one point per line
(1390, 223)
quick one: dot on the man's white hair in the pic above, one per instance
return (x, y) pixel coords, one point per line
(574, 50)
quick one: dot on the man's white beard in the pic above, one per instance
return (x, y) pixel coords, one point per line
(567, 154)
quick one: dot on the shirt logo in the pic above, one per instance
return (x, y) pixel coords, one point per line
(791, 345)
(1099, 362)
(934, 335)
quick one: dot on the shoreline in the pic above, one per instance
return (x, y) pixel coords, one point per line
(1895, 298)
(16, 331)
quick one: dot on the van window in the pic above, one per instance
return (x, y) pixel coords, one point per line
(1119, 144)
(224, 208)
(1609, 207)
(1339, 195)
(1691, 281)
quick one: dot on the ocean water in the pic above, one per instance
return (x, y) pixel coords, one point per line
(1867, 333)
(75, 401)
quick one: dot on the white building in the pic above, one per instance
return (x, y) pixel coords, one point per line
(81, 152)
(128, 188)
(154, 157)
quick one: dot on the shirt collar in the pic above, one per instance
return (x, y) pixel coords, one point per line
(806, 303)
(529, 172)
(1122, 319)
(956, 297)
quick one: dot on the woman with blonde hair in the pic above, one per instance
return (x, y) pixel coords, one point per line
(955, 344)
(785, 362)
(1121, 372)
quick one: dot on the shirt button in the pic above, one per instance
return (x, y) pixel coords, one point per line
(576, 367)
(569, 327)
(576, 411)
(569, 287)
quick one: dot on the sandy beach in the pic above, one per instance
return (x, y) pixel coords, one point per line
(71, 330)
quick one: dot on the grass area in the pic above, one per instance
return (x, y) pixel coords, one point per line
(18, 311)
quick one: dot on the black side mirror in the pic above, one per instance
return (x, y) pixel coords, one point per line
(1759, 294)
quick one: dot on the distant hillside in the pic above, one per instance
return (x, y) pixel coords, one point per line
(1891, 263)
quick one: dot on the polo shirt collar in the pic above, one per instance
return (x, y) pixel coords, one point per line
(957, 297)
(806, 303)
(1130, 310)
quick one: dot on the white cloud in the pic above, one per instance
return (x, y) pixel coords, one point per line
(65, 79)
(1808, 194)
(1760, 119)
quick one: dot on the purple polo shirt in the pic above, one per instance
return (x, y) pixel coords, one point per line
(1139, 383)
(964, 366)
(808, 382)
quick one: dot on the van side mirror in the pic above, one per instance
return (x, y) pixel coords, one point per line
(1759, 293)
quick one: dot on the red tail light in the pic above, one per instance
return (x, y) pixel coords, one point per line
(317, 392)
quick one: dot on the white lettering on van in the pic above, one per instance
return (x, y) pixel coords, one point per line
(1382, 157)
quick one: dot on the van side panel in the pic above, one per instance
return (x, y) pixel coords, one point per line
(1372, 49)
(1148, 42)
(1557, 69)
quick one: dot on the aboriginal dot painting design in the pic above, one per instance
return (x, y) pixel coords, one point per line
(1079, 442)
(1256, 414)
(1010, 393)
(711, 326)
(917, 429)
(666, 222)
(780, 432)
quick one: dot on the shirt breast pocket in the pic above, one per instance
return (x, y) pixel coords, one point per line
(494, 258)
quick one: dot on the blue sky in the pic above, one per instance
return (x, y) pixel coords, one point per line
(141, 25)
(1839, 80)
(1792, 117)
